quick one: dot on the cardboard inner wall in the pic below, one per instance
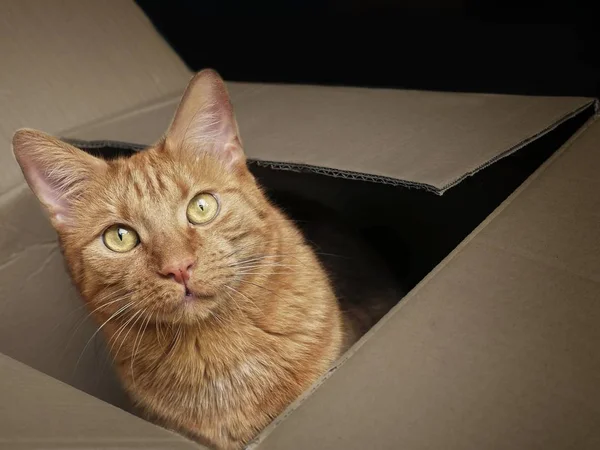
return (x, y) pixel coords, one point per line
(413, 228)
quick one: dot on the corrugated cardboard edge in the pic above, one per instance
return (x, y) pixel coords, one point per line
(510, 151)
(361, 176)
(255, 444)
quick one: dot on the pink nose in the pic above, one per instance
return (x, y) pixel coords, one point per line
(178, 270)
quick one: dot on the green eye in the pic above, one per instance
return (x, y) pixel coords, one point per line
(202, 209)
(120, 238)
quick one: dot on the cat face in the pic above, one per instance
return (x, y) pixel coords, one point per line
(170, 233)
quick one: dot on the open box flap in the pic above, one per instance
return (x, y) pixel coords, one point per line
(40, 412)
(430, 140)
(69, 64)
(496, 348)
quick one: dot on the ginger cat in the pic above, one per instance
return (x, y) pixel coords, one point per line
(216, 310)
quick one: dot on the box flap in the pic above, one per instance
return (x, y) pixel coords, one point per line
(39, 412)
(36, 293)
(496, 348)
(69, 63)
(431, 140)
(64, 64)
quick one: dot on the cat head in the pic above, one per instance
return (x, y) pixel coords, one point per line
(166, 231)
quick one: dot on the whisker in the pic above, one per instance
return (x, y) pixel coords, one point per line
(159, 336)
(175, 340)
(218, 318)
(245, 296)
(115, 337)
(259, 286)
(265, 264)
(118, 312)
(80, 324)
(266, 273)
(173, 349)
(235, 302)
(136, 314)
(67, 316)
(253, 259)
(141, 332)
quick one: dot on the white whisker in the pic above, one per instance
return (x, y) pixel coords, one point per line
(245, 296)
(136, 314)
(119, 311)
(140, 334)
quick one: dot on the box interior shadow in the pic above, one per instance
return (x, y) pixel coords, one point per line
(412, 228)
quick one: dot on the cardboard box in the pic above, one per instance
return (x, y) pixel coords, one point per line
(472, 197)
(500, 334)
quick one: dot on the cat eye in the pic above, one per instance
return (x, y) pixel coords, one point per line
(202, 209)
(120, 238)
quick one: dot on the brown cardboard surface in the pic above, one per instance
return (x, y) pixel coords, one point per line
(65, 63)
(70, 62)
(495, 349)
(431, 139)
(37, 412)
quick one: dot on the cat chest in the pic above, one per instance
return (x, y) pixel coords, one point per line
(198, 389)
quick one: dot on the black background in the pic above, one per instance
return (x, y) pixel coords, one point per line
(457, 45)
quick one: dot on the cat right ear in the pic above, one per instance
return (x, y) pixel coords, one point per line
(56, 172)
(205, 121)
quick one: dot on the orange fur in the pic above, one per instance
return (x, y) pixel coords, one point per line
(265, 324)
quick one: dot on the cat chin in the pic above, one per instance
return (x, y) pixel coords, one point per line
(193, 313)
(191, 309)
(192, 294)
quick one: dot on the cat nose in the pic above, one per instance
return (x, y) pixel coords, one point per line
(178, 270)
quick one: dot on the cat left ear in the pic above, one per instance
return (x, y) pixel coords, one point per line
(57, 172)
(205, 122)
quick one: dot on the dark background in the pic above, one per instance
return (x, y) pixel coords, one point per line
(458, 45)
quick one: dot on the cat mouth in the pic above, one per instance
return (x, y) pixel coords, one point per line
(195, 294)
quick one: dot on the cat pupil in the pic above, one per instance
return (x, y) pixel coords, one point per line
(201, 205)
(121, 233)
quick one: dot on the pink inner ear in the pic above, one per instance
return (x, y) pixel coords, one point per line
(50, 195)
(205, 122)
(232, 154)
(56, 171)
(211, 124)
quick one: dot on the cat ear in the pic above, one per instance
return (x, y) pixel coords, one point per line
(205, 122)
(56, 171)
